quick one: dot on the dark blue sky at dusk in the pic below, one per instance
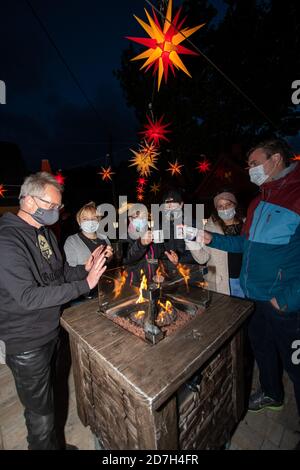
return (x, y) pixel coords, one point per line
(46, 115)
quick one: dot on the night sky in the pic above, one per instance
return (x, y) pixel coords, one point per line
(46, 114)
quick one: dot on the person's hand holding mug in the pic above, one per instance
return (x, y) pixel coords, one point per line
(146, 239)
(204, 237)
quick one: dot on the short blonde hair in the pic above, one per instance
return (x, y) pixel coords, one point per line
(90, 208)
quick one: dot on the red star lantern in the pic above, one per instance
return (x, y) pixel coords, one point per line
(296, 157)
(156, 131)
(142, 181)
(140, 197)
(2, 190)
(175, 168)
(106, 173)
(163, 45)
(60, 178)
(203, 166)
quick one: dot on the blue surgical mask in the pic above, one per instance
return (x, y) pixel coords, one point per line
(257, 175)
(89, 226)
(45, 216)
(140, 225)
(227, 214)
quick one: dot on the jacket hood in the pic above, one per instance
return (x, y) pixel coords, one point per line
(11, 220)
(292, 177)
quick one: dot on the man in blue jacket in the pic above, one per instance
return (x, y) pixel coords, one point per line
(270, 274)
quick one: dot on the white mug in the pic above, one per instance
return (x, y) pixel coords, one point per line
(158, 236)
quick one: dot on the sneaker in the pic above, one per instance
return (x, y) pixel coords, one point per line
(259, 401)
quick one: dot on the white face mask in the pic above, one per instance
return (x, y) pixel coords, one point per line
(257, 175)
(227, 214)
(89, 226)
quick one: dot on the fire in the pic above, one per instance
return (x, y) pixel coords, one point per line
(159, 277)
(184, 271)
(143, 286)
(203, 284)
(139, 315)
(166, 309)
(119, 283)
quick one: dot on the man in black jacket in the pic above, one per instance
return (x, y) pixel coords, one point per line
(34, 284)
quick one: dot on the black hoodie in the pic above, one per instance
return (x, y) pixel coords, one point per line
(32, 287)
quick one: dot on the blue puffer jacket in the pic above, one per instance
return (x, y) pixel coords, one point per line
(270, 243)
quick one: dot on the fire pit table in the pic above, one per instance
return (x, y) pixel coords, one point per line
(183, 390)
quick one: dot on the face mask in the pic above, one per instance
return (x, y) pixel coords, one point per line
(257, 175)
(173, 213)
(89, 226)
(227, 214)
(45, 216)
(140, 225)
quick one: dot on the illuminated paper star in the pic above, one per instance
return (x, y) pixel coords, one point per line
(155, 131)
(140, 197)
(142, 181)
(175, 168)
(145, 158)
(296, 157)
(163, 45)
(155, 188)
(204, 166)
(140, 190)
(2, 190)
(106, 173)
(60, 178)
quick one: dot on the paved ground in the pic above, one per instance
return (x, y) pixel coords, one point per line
(268, 430)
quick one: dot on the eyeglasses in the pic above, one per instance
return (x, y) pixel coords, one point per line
(50, 204)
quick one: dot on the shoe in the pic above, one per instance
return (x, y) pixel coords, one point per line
(259, 401)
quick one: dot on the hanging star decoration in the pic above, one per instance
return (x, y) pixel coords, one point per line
(156, 131)
(142, 181)
(60, 178)
(175, 168)
(106, 173)
(2, 190)
(155, 188)
(140, 197)
(145, 158)
(164, 43)
(296, 157)
(203, 166)
(140, 190)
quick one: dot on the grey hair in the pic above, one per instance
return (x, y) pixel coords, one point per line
(34, 185)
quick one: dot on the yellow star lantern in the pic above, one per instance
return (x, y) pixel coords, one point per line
(2, 190)
(145, 158)
(175, 168)
(155, 188)
(164, 43)
(106, 173)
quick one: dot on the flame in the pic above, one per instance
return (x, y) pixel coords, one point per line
(184, 271)
(166, 309)
(143, 286)
(138, 315)
(203, 284)
(119, 283)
